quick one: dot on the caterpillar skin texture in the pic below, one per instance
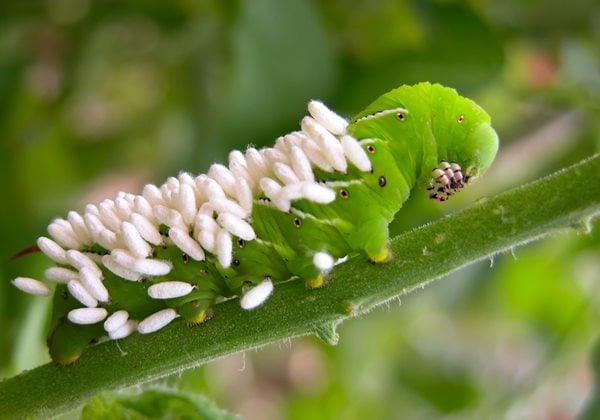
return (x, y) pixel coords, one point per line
(137, 262)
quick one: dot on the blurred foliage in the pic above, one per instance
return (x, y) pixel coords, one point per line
(153, 403)
(97, 97)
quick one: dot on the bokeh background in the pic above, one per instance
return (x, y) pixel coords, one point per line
(97, 97)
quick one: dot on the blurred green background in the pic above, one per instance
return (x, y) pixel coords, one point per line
(97, 97)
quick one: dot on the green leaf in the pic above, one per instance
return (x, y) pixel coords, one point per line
(154, 403)
(493, 225)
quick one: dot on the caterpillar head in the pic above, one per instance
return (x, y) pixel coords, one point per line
(440, 139)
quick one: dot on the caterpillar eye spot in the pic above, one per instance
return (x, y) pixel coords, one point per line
(297, 222)
(370, 149)
(344, 193)
(185, 258)
(400, 116)
(241, 243)
(236, 262)
(461, 118)
(382, 181)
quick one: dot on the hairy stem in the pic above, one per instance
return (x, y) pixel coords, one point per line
(566, 199)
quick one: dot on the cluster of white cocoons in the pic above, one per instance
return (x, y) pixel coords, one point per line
(202, 213)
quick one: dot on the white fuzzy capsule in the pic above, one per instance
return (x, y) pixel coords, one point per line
(205, 222)
(281, 203)
(330, 146)
(79, 227)
(152, 194)
(123, 208)
(208, 240)
(31, 286)
(62, 232)
(169, 289)
(93, 284)
(224, 248)
(172, 183)
(257, 166)
(116, 320)
(79, 260)
(87, 316)
(168, 216)
(152, 267)
(355, 153)
(124, 330)
(184, 241)
(108, 239)
(146, 229)
(257, 295)
(60, 274)
(318, 193)
(206, 209)
(224, 178)
(269, 186)
(156, 321)
(91, 209)
(282, 145)
(236, 226)
(79, 292)
(274, 155)
(237, 165)
(124, 258)
(323, 261)
(313, 153)
(143, 207)
(301, 165)
(210, 187)
(187, 203)
(108, 215)
(225, 205)
(93, 223)
(327, 118)
(291, 192)
(186, 179)
(128, 274)
(243, 194)
(52, 250)
(134, 241)
(285, 173)
(167, 195)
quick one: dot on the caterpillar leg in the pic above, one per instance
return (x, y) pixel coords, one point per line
(196, 311)
(373, 236)
(316, 282)
(381, 256)
(67, 341)
(313, 269)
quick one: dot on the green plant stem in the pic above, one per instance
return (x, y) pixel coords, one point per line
(566, 199)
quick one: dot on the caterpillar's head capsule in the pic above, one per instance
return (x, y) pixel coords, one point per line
(447, 179)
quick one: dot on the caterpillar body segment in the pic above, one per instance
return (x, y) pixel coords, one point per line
(137, 262)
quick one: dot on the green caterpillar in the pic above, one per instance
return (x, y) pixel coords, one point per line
(137, 262)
